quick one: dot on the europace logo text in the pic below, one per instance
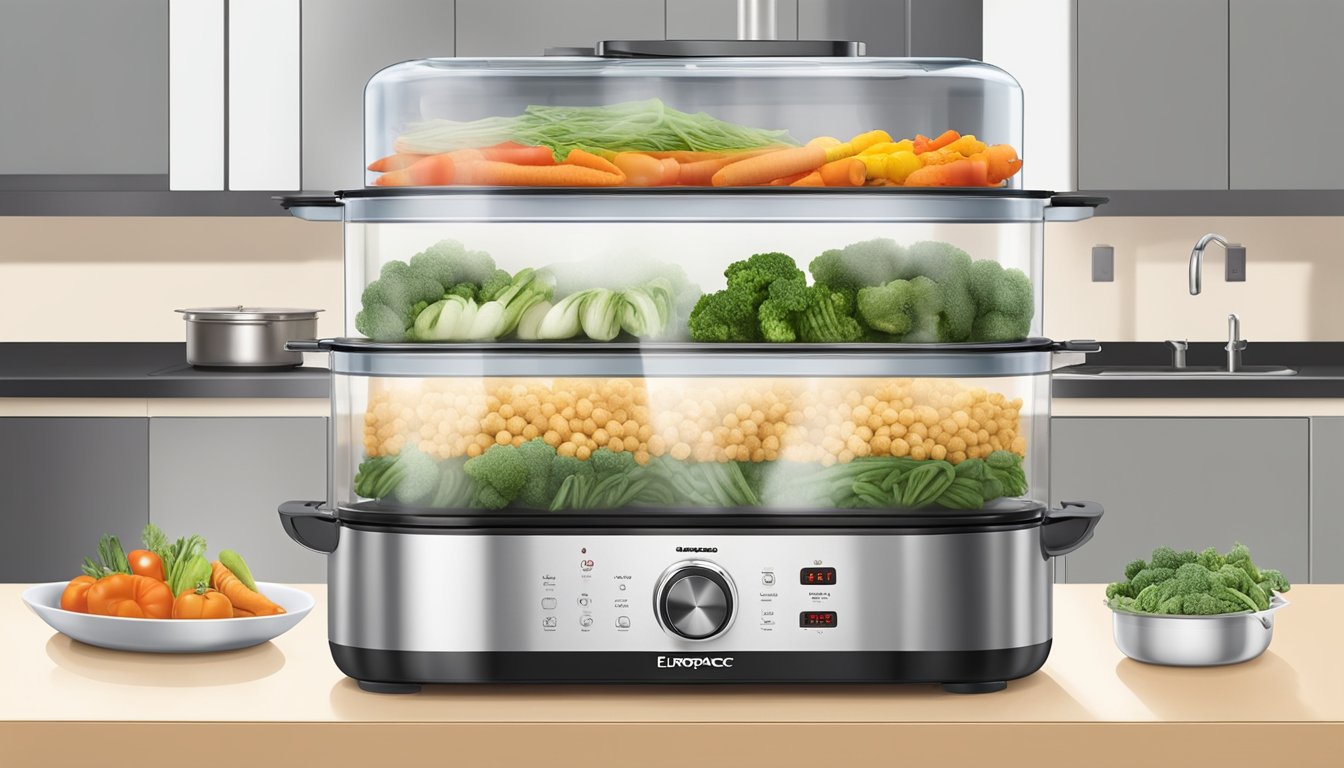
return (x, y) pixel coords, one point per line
(695, 662)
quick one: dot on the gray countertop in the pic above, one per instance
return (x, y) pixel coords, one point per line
(141, 370)
(159, 369)
(1320, 372)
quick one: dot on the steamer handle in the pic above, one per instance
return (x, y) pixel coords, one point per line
(308, 524)
(1069, 527)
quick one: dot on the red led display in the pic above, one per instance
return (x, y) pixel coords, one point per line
(817, 619)
(824, 577)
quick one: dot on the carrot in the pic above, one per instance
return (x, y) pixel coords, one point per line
(940, 157)
(1003, 162)
(671, 172)
(812, 179)
(701, 172)
(640, 170)
(893, 168)
(588, 160)
(762, 169)
(925, 144)
(519, 155)
(888, 147)
(967, 145)
(397, 162)
(434, 170)
(825, 142)
(971, 172)
(685, 155)
(491, 173)
(843, 173)
(222, 579)
(788, 180)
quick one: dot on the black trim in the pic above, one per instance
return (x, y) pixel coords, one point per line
(653, 348)
(457, 190)
(426, 667)
(1003, 514)
(561, 528)
(1078, 201)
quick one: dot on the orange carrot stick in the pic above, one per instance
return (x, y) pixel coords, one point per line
(848, 172)
(812, 179)
(788, 180)
(397, 162)
(971, 172)
(492, 173)
(685, 155)
(671, 172)
(222, 579)
(925, 144)
(434, 170)
(1003, 162)
(765, 168)
(588, 160)
(520, 155)
(701, 172)
(640, 169)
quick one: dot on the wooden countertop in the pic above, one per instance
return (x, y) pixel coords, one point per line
(1089, 706)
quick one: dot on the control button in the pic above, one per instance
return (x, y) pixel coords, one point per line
(548, 622)
(695, 600)
(548, 603)
(585, 601)
(623, 622)
(768, 578)
(585, 621)
(585, 565)
(622, 587)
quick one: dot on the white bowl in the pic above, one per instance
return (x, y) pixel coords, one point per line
(169, 635)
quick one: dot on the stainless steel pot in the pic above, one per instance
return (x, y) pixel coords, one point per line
(1195, 641)
(246, 337)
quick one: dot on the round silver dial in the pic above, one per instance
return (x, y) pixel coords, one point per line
(695, 600)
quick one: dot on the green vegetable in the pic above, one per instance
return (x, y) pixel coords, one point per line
(1003, 300)
(1195, 584)
(235, 563)
(949, 267)
(767, 299)
(111, 559)
(499, 474)
(859, 265)
(179, 559)
(633, 126)
(410, 477)
(925, 484)
(391, 303)
(191, 571)
(908, 309)
(458, 317)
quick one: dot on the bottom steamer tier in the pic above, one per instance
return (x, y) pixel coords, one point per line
(966, 606)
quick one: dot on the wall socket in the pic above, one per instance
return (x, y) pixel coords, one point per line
(1235, 272)
(1103, 264)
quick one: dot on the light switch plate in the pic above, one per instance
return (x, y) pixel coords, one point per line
(1103, 264)
(1235, 271)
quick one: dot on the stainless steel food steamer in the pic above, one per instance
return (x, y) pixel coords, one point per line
(781, 590)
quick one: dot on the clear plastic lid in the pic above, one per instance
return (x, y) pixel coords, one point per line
(627, 120)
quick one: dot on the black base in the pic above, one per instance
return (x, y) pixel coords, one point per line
(957, 671)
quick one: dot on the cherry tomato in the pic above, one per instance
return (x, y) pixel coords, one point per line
(202, 604)
(146, 563)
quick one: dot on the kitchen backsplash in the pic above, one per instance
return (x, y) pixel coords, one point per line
(113, 279)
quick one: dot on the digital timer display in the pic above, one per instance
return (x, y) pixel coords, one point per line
(817, 619)
(817, 577)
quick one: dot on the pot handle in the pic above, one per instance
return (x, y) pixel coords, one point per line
(1069, 527)
(307, 523)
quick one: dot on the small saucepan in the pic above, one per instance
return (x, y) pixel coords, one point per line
(246, 337)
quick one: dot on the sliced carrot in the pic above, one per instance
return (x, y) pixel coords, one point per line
(765, 168)
(971, 172)
(701, 172)
(434, 170)
(925, 144)
(492, 173)
(848, 172)
(640, 169)
(397, 162)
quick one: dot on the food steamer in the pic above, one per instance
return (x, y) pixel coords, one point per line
(721, 529)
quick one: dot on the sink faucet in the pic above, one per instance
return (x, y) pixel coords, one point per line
(1236, 267)
(1235, 344)
(1179, 348)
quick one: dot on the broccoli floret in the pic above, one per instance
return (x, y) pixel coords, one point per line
(858, 265)
(1210, 559)
(1134, 566)
(418, 477)
(494, 284)
(1272, 580)
(1240, 556)
(906, 309)
(1003, 299)
(449, 262)
(949, 267)
(786, 300)
(813, 314)
(500, 474)
(760, 270)
(388, 303)
(607, 462)
(733, 314)
(1166, 557)
(1182, 583)
(539, 456)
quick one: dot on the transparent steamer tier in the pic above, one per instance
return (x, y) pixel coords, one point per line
(666, 440)
(964, 274)
(687, 110)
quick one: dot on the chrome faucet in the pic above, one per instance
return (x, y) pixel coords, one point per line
(1197, 260)
(1178, 349)
(1235, 344)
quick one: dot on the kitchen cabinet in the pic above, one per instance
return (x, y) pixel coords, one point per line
(1149, 68)
(339, 57)
(68, 481)
(224, 479)
(84, 85)
(528, 28)
(1285, 75)
(1327, 500)
(1187, 483)
(878, 23)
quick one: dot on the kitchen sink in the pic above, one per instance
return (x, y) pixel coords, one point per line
(1168, 371)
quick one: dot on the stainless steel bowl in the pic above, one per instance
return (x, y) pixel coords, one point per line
(246, 337)
(1195, 641)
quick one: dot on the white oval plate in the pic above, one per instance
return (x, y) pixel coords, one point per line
(169, 635)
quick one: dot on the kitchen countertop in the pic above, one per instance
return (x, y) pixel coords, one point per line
(67, 703)
(1320, 372)
(139, 370)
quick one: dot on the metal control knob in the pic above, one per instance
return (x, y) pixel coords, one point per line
(695, 600)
